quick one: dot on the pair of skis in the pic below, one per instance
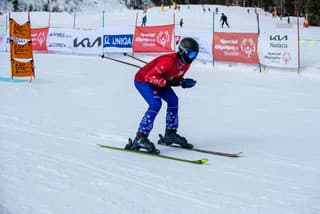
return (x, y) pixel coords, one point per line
(198, 161)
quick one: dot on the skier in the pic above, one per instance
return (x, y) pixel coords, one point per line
(224, 20)
(181, 22)
(154, 82)
(144, 20)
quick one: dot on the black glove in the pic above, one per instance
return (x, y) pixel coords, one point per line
(174, 82)
(188, 83)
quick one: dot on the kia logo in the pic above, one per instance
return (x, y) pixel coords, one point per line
(278, 38)
(85, 43)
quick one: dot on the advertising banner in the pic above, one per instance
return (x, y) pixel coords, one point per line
(154, 39)
(118, 41)
(21, 51)
(60, 40)
(235, 47)
(22, 69)
(279, 49)
(39, 39)
(20, 31)
(88, 42)
(204, 38)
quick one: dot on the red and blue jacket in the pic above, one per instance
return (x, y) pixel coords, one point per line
(160, 69)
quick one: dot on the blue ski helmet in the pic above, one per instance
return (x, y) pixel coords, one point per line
(188, 50)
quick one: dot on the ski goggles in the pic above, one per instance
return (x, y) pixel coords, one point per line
(189, 53)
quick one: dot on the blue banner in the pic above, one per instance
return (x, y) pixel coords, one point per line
(118, 41)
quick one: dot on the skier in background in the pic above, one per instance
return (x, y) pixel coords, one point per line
(181, 22)
(144, 21)
(154, 82)
(224, 20)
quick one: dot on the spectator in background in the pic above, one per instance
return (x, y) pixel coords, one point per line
(288, 20)
(217, 10)
(181, 22)
(224, 20)
(144, 21)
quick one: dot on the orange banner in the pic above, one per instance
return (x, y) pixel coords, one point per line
(20, 31)
(39, 39)
(153, 39)
(22, 69)
(235, 47)
(21, 51)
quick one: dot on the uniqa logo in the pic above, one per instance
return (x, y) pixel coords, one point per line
(248, 47)
(278, 38)
(163, 38)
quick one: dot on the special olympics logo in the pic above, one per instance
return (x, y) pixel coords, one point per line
(41, 38)
(163, 38)
(248, 47)
(286, 57)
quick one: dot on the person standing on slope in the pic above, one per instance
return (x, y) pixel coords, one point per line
(224, 20)
(144, 21)
(181, 22)
(154, 82)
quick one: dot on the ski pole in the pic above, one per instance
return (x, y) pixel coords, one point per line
(140, 60)
(117, 60)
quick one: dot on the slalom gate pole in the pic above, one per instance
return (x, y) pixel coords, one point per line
(213, 30)
(7, 29)
(298, 32)
(258, 25)
(140, 60)
(117, 60)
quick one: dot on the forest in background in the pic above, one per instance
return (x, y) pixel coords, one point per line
(310, 9)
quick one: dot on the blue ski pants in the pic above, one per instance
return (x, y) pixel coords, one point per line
(153, 96)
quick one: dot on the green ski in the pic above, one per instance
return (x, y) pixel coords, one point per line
(200, 161)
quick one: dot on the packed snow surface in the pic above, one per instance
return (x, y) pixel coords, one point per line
(49, 130)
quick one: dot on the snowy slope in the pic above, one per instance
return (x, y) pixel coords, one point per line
(50, 164)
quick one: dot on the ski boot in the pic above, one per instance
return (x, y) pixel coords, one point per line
(141, 141)
(171, 137)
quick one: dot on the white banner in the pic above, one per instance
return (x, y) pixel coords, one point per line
(279, 49)
(4, 46)
(60, 40)
(88, 42)
(203, 38)
(118, 39)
